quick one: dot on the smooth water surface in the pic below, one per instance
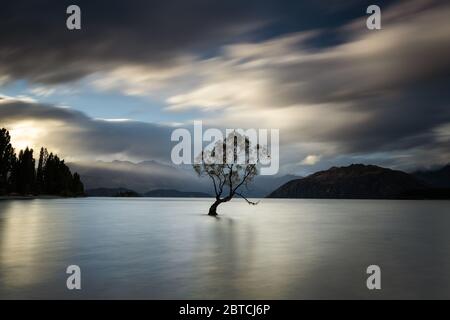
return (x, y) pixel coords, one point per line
(147, 248)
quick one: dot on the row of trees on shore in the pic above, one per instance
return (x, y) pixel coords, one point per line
(20, 175)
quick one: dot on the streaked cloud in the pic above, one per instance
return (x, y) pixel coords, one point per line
(75, 136)
(331, 86)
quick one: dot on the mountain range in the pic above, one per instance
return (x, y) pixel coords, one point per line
(102, 178)
(176, 194)
(359, 181)
(439, 178)
(162, 193)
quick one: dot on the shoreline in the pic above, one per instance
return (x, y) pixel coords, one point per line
(44, 197)
(50, 197)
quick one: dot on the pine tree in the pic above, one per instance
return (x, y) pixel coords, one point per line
(43, 155)
(77, 185)
(49, 175)
(26, 172)
(13, 179)
(7, 158)
(19, 174)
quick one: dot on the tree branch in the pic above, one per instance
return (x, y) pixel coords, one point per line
(230, 175)
(248, 201)
(215, 187)
(243, 180)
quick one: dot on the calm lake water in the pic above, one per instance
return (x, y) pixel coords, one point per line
(169, 249)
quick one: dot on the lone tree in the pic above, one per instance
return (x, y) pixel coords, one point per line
(230, 164)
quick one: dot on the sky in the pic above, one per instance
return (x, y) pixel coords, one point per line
(338, 92)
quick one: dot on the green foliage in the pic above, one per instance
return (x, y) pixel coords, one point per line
(18, 174)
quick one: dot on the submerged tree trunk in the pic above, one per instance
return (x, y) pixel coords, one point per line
(213, 208)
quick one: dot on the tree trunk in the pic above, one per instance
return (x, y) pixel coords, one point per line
(213, 208)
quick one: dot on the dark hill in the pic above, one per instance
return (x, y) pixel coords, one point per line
(356, 181)
(435, 178)
(175, 194)
(111, 192)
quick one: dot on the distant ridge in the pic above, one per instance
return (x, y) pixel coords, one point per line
(175, 194)
(359, 181)
(153, 175)
(125, 192)
(111, 192)
(439, 178)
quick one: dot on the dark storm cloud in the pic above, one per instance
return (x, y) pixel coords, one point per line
(375, 92)
(74, 134)
(399, 123)
(36, 45)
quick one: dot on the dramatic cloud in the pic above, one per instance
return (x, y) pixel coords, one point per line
(337, 91)
(376, 92)
(37, 46)
(75, 136)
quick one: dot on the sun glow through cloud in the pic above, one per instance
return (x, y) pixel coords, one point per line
(25, 134)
